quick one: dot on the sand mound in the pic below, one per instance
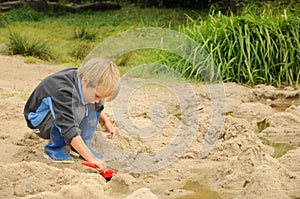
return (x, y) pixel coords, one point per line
(38, 180)
(283, 126)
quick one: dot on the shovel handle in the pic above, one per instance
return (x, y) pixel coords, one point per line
(89, 164)
(107, 174)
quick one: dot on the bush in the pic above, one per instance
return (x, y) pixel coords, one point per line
(19, 44)
(261, 45)
(80, 51)
(23, 14)
(3, 21)
(85, 34)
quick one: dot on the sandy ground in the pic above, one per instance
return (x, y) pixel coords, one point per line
(240, 165)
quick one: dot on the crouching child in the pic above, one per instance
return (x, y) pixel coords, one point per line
(67, 106)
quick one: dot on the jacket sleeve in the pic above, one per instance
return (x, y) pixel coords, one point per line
(68, 112)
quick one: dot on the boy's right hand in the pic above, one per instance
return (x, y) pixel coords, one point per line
(101, 164)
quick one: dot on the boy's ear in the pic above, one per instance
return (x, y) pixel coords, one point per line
(84, 81)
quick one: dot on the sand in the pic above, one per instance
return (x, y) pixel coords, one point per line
(160, 147)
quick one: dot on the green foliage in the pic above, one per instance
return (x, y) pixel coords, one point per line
(80, 51)
(19, 44)
(31, 60)
(21, 15)
(85, 34)
(3, 21)
(261, 45)
(67, 31)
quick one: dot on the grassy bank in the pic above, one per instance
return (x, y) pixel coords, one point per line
(258, 45)
(69, 37)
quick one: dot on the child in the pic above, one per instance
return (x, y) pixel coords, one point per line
(66, 107)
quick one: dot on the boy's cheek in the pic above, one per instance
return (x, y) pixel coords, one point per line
(89, 95)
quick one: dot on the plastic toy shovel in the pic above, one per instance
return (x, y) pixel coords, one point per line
(107, 174)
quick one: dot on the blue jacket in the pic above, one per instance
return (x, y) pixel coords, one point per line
(59, 94)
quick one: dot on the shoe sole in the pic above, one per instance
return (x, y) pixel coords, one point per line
(73, 153)
(62, 161)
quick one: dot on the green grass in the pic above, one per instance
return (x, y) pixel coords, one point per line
(259, 45)
(83, 33)
(18, 44)
(7, 95)
(66, 33)
(23, 96)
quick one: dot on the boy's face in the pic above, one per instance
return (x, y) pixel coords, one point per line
(91, 95)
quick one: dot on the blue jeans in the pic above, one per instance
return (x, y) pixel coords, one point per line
(88, 124)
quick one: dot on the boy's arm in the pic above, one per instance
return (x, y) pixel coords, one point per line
(109, 126)
(81, 148)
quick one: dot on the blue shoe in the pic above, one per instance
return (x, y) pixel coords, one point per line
(55, 149)
(57, 154)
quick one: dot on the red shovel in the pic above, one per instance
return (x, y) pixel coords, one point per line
(107, 174)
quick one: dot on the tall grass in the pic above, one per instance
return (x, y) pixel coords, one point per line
(80, 51)
(84, 33)
(260, 45)
(19, 44)
(21, 15)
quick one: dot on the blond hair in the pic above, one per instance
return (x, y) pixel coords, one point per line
(102, 74)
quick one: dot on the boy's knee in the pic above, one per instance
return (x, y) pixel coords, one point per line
(43, 130)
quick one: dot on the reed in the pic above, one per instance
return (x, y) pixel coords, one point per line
(258, 46)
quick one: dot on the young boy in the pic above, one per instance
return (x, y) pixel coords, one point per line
(66, 107)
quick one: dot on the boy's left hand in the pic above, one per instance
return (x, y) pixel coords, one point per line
(110, 128)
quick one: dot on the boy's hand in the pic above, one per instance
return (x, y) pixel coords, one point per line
(108, 125)
(101, 165)
(110, 128)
